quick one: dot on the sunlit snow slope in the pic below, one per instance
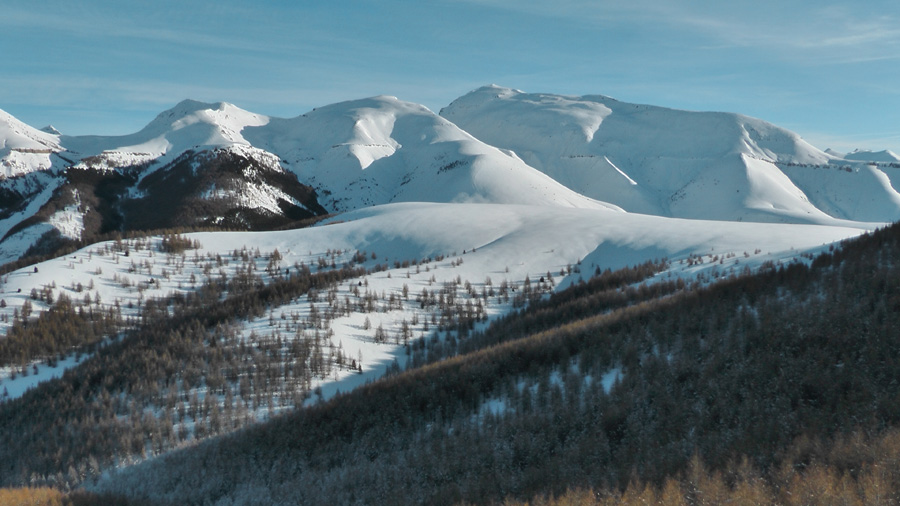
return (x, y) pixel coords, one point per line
(472, 248)
(381, 150)
(667, 162)
(188, 125)
(216, 165)
(24, 149)
(886, 156)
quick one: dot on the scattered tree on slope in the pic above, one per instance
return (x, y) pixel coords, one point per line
(738, 370)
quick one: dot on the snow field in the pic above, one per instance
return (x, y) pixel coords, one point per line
(381, 150)
(13, 383)
(24, 149)
(493, 145)
(667, 162)
(470, 246)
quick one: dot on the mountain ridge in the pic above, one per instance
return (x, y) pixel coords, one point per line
(493, 144)
(663, 161)
(380, 150)
(24, 148)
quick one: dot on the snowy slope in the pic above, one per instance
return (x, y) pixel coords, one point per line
(24, 149)
(190, 166)
(188, 125)
(221, 165)
(358, 153)
(216, 164)
(886, 156)
(666, 162)
(857, 192)
(381, 150)
(476, 245)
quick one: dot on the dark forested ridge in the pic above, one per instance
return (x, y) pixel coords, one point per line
(739, 373)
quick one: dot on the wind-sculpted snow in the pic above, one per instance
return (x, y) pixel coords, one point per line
(188, 125)
(653, 160)
(382, 150)
(24, 149)
(885, 156)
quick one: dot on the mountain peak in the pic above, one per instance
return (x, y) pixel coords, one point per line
(496, 91)
(380, 149)
(670, 162)
(384, 103)
(497, 88)
(386, 98)
(18, 135)
(191, 105)
(203, 111)
(187, 125)
(23, 148)
(865, 155)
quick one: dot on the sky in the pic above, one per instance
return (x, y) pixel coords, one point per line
(827, 70)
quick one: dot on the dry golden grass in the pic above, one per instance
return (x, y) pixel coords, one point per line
(850, 471)
(43, 496)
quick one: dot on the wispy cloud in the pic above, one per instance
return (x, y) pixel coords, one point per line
(107, 25)
(228, 30)
(832, 36)
(799, 31)
(283, 58)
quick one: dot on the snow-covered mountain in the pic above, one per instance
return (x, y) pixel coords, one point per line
(654, 160)
(441, 222)
(356, 154)
(382, 150)
(28, 157)
(215, 164)
(188, 167)
(201, 164)
(24, 149)
(862, 155)
(190, 125)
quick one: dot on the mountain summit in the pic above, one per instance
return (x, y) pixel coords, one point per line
(216, 165)
(654, 160)
(188, 125)
(381, 150)
(24, 149)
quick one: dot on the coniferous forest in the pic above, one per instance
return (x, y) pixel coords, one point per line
(774, 387)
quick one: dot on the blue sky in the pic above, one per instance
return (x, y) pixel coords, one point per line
(827, 70)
